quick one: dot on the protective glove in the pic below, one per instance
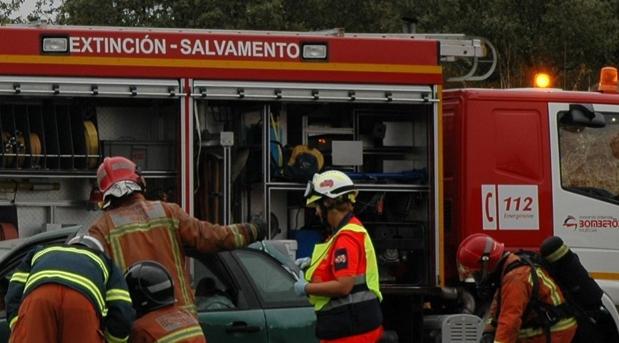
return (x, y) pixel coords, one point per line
(261, 228)
(303, 262)
(299, 286)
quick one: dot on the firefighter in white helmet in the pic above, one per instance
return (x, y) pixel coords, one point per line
(342, 279)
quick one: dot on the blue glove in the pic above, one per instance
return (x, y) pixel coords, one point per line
(299, 286)
(303, 262)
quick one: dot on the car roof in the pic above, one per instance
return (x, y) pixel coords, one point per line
(10, 248)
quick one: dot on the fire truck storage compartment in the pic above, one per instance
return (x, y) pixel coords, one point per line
(54, 134)
(392, 143)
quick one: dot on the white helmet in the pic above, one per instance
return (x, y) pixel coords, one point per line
(331, 184)
(87, 241)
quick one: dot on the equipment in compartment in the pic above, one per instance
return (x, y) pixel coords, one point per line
(146, 136)
(43, 135)
(14, 148)
(19, 147)
(92, 143)
(397, 245)
(6, 147)
(35, 149)
(8, 215)
(347, 153)
(7, 231)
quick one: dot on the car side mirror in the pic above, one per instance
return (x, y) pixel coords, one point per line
(583, 115)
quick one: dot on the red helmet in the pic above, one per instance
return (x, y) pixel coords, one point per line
(115, 169)
(117, 177)
(479, 253)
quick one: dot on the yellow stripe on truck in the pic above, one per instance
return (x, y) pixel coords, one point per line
(219, 64)
(605, 276)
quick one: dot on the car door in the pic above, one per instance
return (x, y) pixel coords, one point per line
(238, 319)
(289, 317)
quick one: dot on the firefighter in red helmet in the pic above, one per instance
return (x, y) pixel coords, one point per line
(118, 176)
(135, 229)
(527, 306)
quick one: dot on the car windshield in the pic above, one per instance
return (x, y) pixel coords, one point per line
(273, 284)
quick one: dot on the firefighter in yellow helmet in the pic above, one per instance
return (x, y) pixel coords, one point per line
(342, 279)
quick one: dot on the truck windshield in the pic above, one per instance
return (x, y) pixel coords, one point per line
(589, 159)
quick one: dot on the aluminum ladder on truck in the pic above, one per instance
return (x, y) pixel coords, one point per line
(459, 47)
(455, 47)
(471, 52)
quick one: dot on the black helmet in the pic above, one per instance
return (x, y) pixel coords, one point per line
(150, 286)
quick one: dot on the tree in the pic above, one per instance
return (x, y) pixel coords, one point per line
(569, 38)
(360, 15)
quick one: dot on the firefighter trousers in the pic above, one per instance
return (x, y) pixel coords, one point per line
(56, 313)
(563, 336)
(372, 336)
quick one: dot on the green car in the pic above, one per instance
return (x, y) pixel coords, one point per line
(244, 295)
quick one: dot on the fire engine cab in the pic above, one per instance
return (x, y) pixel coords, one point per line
(526, 164)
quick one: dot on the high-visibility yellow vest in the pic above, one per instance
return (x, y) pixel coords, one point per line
(370, 278)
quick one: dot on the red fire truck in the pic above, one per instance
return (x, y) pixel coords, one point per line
(209, 116)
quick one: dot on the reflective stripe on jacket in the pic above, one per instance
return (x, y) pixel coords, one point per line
(516, 291)
(88, 271)
(370, 279)
(153, 230)
(167, 325)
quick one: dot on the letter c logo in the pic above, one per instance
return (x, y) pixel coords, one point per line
(487, 209)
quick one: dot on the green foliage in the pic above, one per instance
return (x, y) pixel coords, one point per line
(571, 39)
(357, 15)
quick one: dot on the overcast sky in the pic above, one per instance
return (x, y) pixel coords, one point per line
(28, 6)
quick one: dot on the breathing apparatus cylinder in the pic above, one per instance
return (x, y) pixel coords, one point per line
(572, 276)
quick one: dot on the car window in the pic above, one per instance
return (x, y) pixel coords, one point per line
(273, 283)
(213, 290)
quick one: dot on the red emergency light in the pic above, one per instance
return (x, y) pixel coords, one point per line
(608, 80)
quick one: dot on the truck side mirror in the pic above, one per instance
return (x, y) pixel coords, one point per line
(583, 115)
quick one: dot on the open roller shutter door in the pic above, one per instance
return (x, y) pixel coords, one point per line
(101, 87)
(269, 91)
